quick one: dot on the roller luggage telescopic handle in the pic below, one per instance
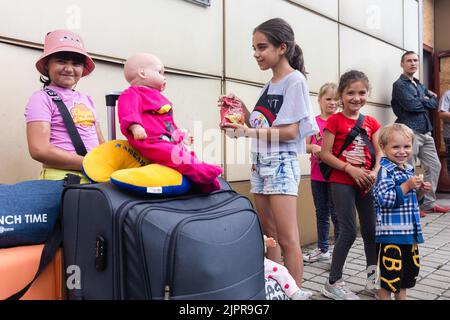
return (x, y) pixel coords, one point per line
(111, 100)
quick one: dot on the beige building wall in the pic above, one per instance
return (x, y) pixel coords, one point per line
(428, 22)
(207, 51)
(444, 75)
(442, 25)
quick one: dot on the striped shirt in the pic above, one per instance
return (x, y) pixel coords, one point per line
(398, 219)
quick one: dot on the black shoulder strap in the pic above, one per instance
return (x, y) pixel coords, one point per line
(369, 146)
(352, 134)
(68, 121)
(357, 129)
(48, 252)
(51, 245)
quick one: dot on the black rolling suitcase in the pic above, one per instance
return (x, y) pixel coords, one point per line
(187, 247)
(195, 246)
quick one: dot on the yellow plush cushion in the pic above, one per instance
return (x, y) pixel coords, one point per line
(102, 161)
(151, 179)
(119, 162)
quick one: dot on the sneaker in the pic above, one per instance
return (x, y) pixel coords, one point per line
(338, 291)
(316, 255)
(372, 287)
(301, 295)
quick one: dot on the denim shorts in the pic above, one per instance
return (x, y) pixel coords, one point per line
(275, 173)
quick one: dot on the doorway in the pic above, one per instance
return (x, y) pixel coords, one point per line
(441, 85)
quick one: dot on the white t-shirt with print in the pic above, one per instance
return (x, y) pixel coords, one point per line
(284, 102)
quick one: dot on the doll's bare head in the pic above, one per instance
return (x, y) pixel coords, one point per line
(145, 69)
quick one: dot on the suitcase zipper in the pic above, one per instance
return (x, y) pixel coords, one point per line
(174, 239)
(166, 292)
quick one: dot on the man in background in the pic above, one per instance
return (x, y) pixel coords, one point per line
(411, 102)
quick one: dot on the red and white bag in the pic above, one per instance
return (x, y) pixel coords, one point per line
(231, 111)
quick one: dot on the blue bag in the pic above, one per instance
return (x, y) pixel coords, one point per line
(28, 211)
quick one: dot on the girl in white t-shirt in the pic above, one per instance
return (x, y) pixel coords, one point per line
(279, 124)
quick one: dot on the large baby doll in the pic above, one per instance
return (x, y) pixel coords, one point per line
(146, 120)
(281, 275)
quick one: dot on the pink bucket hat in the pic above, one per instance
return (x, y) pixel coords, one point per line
(64, 40)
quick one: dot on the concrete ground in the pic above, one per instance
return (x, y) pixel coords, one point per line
(434, 278)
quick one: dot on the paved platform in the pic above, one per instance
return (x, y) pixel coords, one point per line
(434, 277)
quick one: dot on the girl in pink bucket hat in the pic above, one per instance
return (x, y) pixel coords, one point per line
(64, 42)
(63, 63)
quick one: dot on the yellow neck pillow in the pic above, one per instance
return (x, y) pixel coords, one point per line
(117, 161)
(102, 161)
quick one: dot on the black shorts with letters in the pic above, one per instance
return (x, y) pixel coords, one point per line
(398, 265)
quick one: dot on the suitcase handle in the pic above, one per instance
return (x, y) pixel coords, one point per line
(111, 99)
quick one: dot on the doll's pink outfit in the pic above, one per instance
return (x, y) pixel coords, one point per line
(153, 111)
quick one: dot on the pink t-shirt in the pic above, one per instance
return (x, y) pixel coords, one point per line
(316, 175)
(41, 107)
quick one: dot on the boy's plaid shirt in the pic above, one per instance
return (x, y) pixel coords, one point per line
(397, 214)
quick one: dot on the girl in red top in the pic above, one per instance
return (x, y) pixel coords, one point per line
(351, 180)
